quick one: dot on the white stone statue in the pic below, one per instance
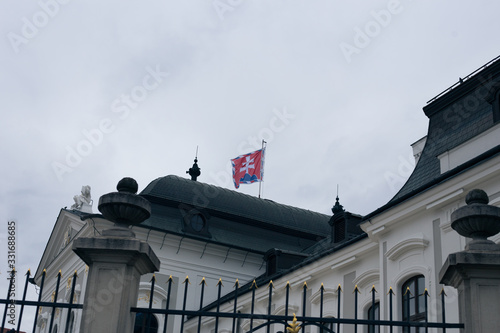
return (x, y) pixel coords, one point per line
(83, 201)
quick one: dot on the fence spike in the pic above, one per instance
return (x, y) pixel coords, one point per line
(426, 293)
(170, 279)
(407, 291)
(305, 285)
(76, 273)
(442, 292)
(42, 283)
(220, 283)
(186, 279)
(356, 289)
(373, 288)
(322, 287)
(153, 278)
(28, 272)
(25, 290)
(254, 284)
(59, 273)
(271, 284)
(236, 284)
(339, 289)
(391, 291)
(203, 282)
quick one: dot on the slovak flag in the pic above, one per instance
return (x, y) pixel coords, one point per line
(248, 168)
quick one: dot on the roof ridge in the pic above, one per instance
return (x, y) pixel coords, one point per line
(230, 202)
(243, 195)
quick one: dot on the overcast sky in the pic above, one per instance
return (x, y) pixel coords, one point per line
(93, 91)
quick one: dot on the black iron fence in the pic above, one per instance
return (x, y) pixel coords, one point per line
(262, 322)
(291, 323)
(52, 305)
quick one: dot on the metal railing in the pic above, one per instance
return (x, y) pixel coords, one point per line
(289, 322)
(53, 305)
(461, 80)
(292, 323)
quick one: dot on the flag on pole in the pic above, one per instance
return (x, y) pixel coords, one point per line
(248, 168)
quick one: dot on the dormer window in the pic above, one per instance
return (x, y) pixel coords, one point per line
(344, 224)
(339, 230)
(195, 222)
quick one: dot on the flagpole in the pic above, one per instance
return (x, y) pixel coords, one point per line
(260, 183)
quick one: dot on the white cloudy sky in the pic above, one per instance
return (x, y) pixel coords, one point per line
(348, 79)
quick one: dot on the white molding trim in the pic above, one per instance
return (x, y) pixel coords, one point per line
(264, 296)
(280, 310)
(446, 226)
(444, 199)
(328, 294)
(377, 230)
(368, 277)
(343, 262)
(299, 281)
(468, 150)
(159, 293)
(416, 242)
(399, 279)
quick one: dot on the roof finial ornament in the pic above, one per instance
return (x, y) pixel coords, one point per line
(338, 207)
(195, 171)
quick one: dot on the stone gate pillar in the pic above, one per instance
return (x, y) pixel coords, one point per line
(116, 262)
(475, 272)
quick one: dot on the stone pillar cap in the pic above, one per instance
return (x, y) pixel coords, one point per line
(477, 220)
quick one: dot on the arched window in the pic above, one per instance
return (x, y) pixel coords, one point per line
(413, 300)
(374, 314)
(141, 324)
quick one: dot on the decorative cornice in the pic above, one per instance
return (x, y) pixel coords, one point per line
(417, 242)
(343, 262)
(280, 310)
(328, 294)
(299, 280)
(366, 278)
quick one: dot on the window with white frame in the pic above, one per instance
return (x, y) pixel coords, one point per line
(413, 300)
(373, 313)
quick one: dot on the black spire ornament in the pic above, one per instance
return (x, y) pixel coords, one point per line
(195, 171)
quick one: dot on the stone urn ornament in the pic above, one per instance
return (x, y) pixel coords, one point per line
(125, 208)
(477, 220)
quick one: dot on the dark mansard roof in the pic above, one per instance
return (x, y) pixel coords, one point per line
(457, 115)
(232, 218)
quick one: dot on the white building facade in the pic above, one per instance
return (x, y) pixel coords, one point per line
(199, 231)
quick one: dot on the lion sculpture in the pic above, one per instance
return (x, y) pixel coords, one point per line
(82, 200)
